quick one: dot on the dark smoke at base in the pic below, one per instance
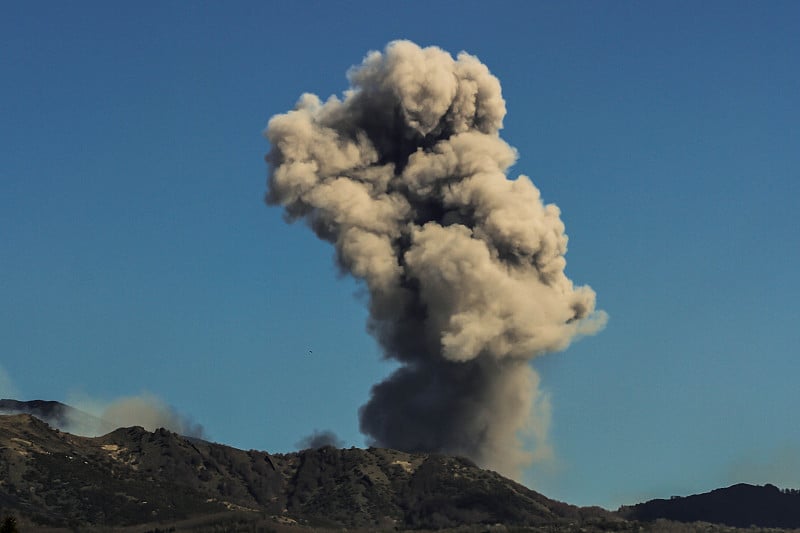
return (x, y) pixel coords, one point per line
(319, 439)
(406, 176)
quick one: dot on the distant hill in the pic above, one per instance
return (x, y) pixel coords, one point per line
(134, 477)
(59, 416)
(739, 505)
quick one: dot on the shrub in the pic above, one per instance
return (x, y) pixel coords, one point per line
(9, 525)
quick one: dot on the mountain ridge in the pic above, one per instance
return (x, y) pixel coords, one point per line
(58, 415)
(131, 476)
(132, 479)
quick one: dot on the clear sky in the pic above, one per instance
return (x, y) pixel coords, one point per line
(137, 255)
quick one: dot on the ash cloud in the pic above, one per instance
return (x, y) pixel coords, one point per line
(405, 175)
(320, 439)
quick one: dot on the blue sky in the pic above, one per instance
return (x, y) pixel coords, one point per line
(137, 255)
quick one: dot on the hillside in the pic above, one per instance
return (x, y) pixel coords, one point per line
(739, 505)
(135, 480)
(134, 477)
(58, 416)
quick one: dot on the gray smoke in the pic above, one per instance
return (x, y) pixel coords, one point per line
(319, 439)
(406, 176)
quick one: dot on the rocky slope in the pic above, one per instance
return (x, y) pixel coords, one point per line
(139, 481)
(131, 477)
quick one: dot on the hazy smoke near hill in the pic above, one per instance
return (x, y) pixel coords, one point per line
(145, 410)
(406, 176)
(93, 418)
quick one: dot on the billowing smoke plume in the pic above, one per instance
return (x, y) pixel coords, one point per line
(406, 176)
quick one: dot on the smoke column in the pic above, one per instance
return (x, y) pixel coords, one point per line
(406, 176)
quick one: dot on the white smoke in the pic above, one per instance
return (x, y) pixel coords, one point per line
(406, 176)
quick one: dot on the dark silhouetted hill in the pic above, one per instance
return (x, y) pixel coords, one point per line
(739, 505)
